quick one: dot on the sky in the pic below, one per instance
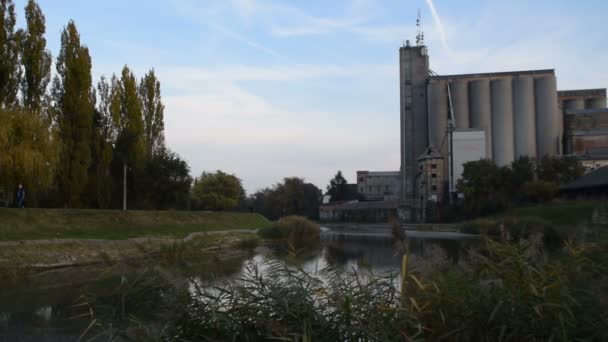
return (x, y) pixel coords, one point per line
(267, 89)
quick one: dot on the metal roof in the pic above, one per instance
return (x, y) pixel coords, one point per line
(595, 178)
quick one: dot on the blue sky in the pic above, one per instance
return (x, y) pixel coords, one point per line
(267, 89)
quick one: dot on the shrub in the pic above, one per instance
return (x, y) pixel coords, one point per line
(515, 229)
(249, 243)
(481, 226)
(539, 191)
(295, 230)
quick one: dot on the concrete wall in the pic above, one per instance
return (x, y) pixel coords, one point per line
(503, 146)
(460, 102)
(524, 118)
(596, 103)
(438, 114)
(549, 123)
(518, 112)
(414, 74)
(379, 185)
(481, 110)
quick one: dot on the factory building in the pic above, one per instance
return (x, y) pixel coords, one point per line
(379, 185)
(518, 113)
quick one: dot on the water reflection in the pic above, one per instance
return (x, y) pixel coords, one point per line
(40, 307)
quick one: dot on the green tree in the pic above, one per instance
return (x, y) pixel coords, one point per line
(35, 58)
(293, 196)
(559, 170)
(338, 188)
(218, 191)
(99, 191)
(483, 185)
(127, 111)
(539, 191)
(29, 152)
(153, 112)
(166, 179)
(10, 73)
(74, 107)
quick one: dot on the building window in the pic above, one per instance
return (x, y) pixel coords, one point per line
(361, 179)
(433, 166)
(434, 175)
(434, 188)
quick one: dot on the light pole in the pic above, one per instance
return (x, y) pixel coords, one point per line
(124, 186)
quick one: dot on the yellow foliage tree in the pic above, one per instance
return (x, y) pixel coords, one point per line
(30, 150)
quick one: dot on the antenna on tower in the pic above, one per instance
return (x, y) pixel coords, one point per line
(420, 34)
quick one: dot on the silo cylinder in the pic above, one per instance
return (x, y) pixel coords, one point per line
(596, 103)
(460, 102)
(480, 110)
(548, 122)
(502, 121)
(438, 113)
(523, 115)
(574, 104)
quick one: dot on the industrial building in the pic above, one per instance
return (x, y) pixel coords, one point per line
(519, 113)
(379, 185)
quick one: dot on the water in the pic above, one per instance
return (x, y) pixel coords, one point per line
(54, 305)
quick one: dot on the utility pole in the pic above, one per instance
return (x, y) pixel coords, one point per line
(124, 186)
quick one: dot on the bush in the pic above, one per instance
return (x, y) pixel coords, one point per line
(481, 226)
(295, 230)
(249, 243)
(515, 229)
(539, 191)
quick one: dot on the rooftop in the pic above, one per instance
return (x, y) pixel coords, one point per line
(595, 178)
(586, 111)
(582, 92)
(497, 74)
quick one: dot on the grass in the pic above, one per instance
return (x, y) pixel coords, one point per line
(559, 213)
(294, 230)
(504, 293)
(36, 224)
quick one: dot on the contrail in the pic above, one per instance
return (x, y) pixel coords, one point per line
(442, 35)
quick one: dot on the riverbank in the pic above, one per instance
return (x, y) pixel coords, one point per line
(41, 239)
(39, 224)
(37, 255)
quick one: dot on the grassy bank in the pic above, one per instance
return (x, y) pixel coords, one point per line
(35, 224)
(559, 212)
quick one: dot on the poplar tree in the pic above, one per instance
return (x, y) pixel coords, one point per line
(35, 58)
(153, 113)
(99, 192)
(10, 73)
(130, 143)
(73, 99)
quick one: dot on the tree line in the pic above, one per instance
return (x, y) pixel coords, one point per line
(488, 188)
(68, 139)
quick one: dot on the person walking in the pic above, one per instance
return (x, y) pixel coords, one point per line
(20, 196)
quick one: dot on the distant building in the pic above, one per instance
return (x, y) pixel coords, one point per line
(430, 179)
(520, 113)
(586, 136)
(379, 185)
(582, 99)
